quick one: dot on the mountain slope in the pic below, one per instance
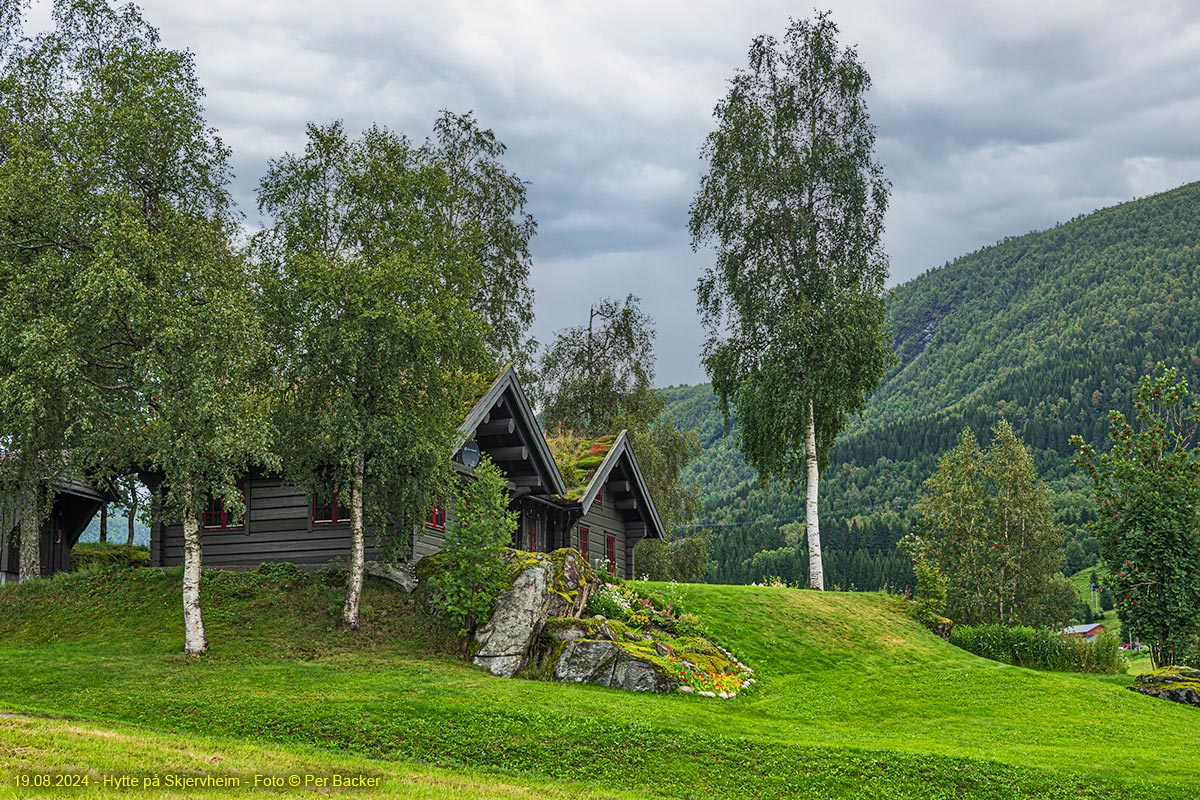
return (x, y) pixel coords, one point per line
(1049, 330)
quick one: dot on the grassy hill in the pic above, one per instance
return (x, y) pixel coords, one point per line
(1050, 330)
(854, 701)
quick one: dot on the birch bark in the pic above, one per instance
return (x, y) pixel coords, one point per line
(31, 533)
(816, 572)
(195, 641)
(357, 549)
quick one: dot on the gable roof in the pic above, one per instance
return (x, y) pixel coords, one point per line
(595, 460)
(506, 388)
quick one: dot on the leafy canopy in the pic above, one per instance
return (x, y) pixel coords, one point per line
(793, 203)
(986, 525)
(1148, 492)
(366, 288)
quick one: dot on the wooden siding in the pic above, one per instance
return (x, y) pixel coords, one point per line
(279, 528)
(602, 520)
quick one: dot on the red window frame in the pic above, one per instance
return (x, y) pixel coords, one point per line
(437, 518)
(531, 534)
(600, 496)
(216, 517)
(610, 551)
(331, 513)
(584, 536)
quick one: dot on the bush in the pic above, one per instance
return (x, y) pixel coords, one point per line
(1038, 648)
(473, 571)
(87, 556)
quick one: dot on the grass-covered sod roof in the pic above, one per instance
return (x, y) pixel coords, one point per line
(578, 458)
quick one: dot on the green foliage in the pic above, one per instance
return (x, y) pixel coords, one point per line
(488, 209)
(1148, 492)
(683, 558)
(1038, 648)
(793, 202)
(931, 592)
(366, 290)
(609, 602)
(596, 381)
(473, 568)
(986, 524)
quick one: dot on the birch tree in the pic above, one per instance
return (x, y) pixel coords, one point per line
(792, 204)
(367, 289)
(124, 190)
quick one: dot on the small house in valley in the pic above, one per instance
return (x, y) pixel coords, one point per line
(605, 510)
(1086, 632)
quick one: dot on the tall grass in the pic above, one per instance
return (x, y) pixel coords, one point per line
(1041, 649)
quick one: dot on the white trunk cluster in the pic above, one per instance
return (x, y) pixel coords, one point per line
(816, 572)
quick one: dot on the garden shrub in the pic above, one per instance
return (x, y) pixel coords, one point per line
(1039, 648)
(473, 571)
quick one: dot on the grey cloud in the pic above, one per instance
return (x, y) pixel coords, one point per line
(993, 118)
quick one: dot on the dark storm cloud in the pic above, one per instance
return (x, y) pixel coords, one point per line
(993, 118)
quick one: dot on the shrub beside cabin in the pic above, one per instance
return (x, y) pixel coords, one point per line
(604, 513)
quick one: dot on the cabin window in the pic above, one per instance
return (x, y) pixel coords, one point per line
(437, 518)
(584, 535)
(610, 552)
(218, 517)
(600, 496)
(327, 509)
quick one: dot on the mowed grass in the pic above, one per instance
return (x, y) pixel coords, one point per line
(854, 701)
(35, 754)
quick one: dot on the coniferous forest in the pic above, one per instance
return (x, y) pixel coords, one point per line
(1049, 330)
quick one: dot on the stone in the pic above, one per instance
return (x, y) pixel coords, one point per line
(544, 585)
(686, 689)
(633, 637)
(586, 662)
(1178, 684)
(402, 574)
(663, 650)
(635, 674)
(707, 694)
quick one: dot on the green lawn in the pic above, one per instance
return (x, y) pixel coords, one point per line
(854, 700)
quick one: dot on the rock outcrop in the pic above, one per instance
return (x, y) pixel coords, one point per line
(1179, 684)
(589, 653)
(543, 585)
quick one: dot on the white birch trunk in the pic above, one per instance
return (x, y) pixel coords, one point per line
(816, 572)
(354, 581)
(195, 641)
(31, 531)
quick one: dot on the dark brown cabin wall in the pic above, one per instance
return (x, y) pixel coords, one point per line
(280, 529)
(601, 520)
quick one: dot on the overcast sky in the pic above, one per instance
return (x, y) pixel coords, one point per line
(994, 118)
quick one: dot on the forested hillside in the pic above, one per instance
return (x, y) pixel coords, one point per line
(1049, 330)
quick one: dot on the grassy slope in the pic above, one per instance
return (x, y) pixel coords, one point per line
(855, 700)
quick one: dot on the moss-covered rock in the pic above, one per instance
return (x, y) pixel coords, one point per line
(1178, 684)
(541, 586)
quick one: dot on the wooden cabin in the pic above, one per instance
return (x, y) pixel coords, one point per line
(283, 523)
(75, 503)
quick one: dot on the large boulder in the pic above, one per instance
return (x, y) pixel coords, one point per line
(1180, 684)
(610, 663)
(542, 585)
